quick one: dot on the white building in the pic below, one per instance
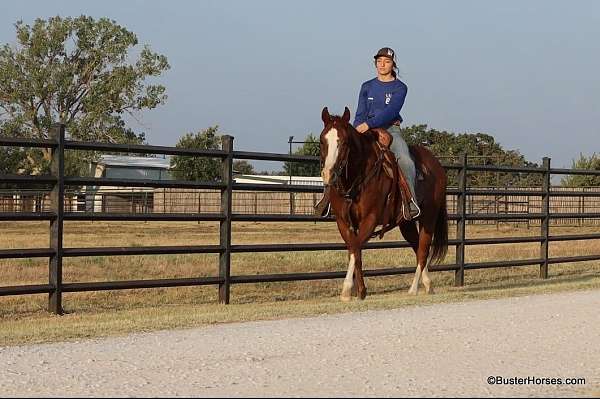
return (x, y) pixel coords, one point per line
(141, 199)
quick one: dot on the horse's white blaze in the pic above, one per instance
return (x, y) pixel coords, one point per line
(414, 288)
(332, 153)
(349, 281)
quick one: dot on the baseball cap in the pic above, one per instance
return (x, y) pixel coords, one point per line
(386, 52)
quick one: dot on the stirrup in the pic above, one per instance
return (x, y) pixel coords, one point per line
(418, 211)
(323, 208)
(324, 211)
(407, 211)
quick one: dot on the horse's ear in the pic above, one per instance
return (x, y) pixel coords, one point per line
(346, 116)
(325, 115)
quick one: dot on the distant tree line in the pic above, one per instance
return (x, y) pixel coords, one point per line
(589, 163)
(481, 149)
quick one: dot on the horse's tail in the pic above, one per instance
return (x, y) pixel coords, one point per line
(440, 235)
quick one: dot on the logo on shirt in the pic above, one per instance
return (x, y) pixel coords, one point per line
(388, 97)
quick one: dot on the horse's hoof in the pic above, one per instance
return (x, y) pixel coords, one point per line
(347, 292)
(345, 298)
(430, 291)
(412, 292)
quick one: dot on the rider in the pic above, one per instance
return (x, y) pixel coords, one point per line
(379, 103)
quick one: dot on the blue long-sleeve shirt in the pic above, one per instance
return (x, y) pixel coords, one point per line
(379, 103)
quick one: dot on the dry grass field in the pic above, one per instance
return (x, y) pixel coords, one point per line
(24, 318)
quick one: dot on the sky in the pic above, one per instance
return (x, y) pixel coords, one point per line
(525, 72)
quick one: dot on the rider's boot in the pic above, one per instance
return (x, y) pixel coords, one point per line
(413, 210)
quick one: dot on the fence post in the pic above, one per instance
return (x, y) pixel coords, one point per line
(57, 195)
(225, 225)
(461, 209)
(545, 225)
(582, 208)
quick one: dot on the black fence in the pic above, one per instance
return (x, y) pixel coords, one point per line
(57, 215)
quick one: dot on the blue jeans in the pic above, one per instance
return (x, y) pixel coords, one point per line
(400, 149)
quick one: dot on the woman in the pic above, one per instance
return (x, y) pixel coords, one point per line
(379, 103)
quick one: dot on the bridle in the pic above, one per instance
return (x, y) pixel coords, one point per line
(359, 181)
(337, 171)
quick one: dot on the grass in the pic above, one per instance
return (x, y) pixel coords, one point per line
(23, 319)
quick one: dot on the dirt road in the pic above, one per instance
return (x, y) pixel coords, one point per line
(438, 350)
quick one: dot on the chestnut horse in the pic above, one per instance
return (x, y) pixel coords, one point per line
(359, 193)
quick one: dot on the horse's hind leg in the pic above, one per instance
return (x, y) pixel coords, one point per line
(425, 238)
(410, 233)
(420, 241)
(427, 280)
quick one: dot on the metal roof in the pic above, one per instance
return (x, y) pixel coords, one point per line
(261, 179)
(142, 162)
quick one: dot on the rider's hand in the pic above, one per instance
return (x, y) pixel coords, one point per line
(363, 127)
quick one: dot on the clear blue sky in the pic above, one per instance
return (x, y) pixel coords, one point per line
(525, 72)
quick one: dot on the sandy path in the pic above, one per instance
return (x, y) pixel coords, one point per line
(438, 350)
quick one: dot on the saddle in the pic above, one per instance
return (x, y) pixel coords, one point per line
(396, 208)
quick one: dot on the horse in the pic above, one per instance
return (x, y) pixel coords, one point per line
(359, 193)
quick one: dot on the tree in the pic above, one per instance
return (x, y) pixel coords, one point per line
(75, 71)
(243, 167)
(481, 148)
(310, 147)
(198, 168)
(10, 159)
(590, 163)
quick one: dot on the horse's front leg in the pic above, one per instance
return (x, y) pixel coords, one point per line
(348, 285)
(354, 275)
(354, 280)
(361, 288)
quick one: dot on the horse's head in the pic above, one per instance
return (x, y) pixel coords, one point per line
(335, 148)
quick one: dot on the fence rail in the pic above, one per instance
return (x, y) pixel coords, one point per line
(177, 197)
(223, 212)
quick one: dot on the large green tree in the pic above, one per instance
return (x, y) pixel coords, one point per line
(198, 168)
(85, 73)
(590, 163)
(310, 146)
